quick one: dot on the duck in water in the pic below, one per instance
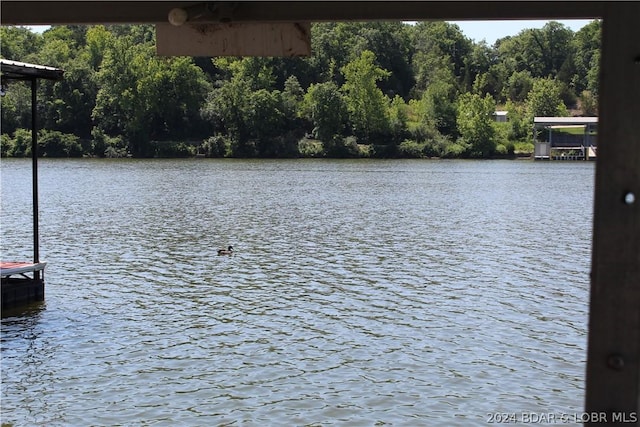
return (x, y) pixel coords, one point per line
(227, 251)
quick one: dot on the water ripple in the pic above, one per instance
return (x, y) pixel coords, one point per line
(361, 293)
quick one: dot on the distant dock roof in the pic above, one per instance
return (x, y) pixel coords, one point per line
(544, 121)
(14, 70)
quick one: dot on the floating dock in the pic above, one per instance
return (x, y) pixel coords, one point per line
(21, 282)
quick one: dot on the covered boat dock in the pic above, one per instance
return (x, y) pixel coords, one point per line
(21, 281)
(565, 138)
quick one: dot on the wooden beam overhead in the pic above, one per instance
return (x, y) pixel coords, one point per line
(234, 39)
(132, 12)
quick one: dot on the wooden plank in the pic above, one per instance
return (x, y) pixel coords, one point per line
(231, 39)
(613, 366)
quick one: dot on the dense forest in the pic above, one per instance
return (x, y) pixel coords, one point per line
(384, 89)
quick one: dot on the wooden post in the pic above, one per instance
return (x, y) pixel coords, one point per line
(613, 365)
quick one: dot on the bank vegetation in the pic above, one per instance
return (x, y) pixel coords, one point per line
(369, 90)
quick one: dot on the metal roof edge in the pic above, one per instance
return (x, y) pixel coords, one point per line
(23, 70)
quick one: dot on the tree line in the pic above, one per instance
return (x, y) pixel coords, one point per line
(382, 89)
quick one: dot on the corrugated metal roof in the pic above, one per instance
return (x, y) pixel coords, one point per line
(24, 71)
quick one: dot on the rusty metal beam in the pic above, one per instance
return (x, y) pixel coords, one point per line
(613, 363)
(101, 12)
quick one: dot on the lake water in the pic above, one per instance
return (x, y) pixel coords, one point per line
(361, 293)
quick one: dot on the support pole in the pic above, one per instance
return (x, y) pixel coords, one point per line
(34, 178)
(613, 363)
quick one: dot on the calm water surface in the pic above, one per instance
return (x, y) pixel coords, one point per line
(407, 293)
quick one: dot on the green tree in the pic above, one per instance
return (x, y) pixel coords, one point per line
(475, 123)
(545, 52)
(588, 103)
(63, 106)
(519, 125)
(399, 116)
(544, 99)
(17, 146)
(98, 40)
(20, 44)
(256, 72)
(292, 99)
(326, 108)
(138, 34)
(366, 104)
(485, 70)
(225, 108)
(71, 100)
(480, 60)
(55, 52)
(16, 107)
(66, 105)
(145, 97)
(172, 91)
(336, 44)
(392, 46)
(587, 43)
(116, 102)
(332, 46)
(58, 144)
(267, 120)
(254, 116)
(518, 86)
(438, 107)
(442, 45)
(593, 75)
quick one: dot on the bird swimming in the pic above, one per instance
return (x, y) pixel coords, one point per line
(227, 251)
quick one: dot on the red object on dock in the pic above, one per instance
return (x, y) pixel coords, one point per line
(9, 268)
